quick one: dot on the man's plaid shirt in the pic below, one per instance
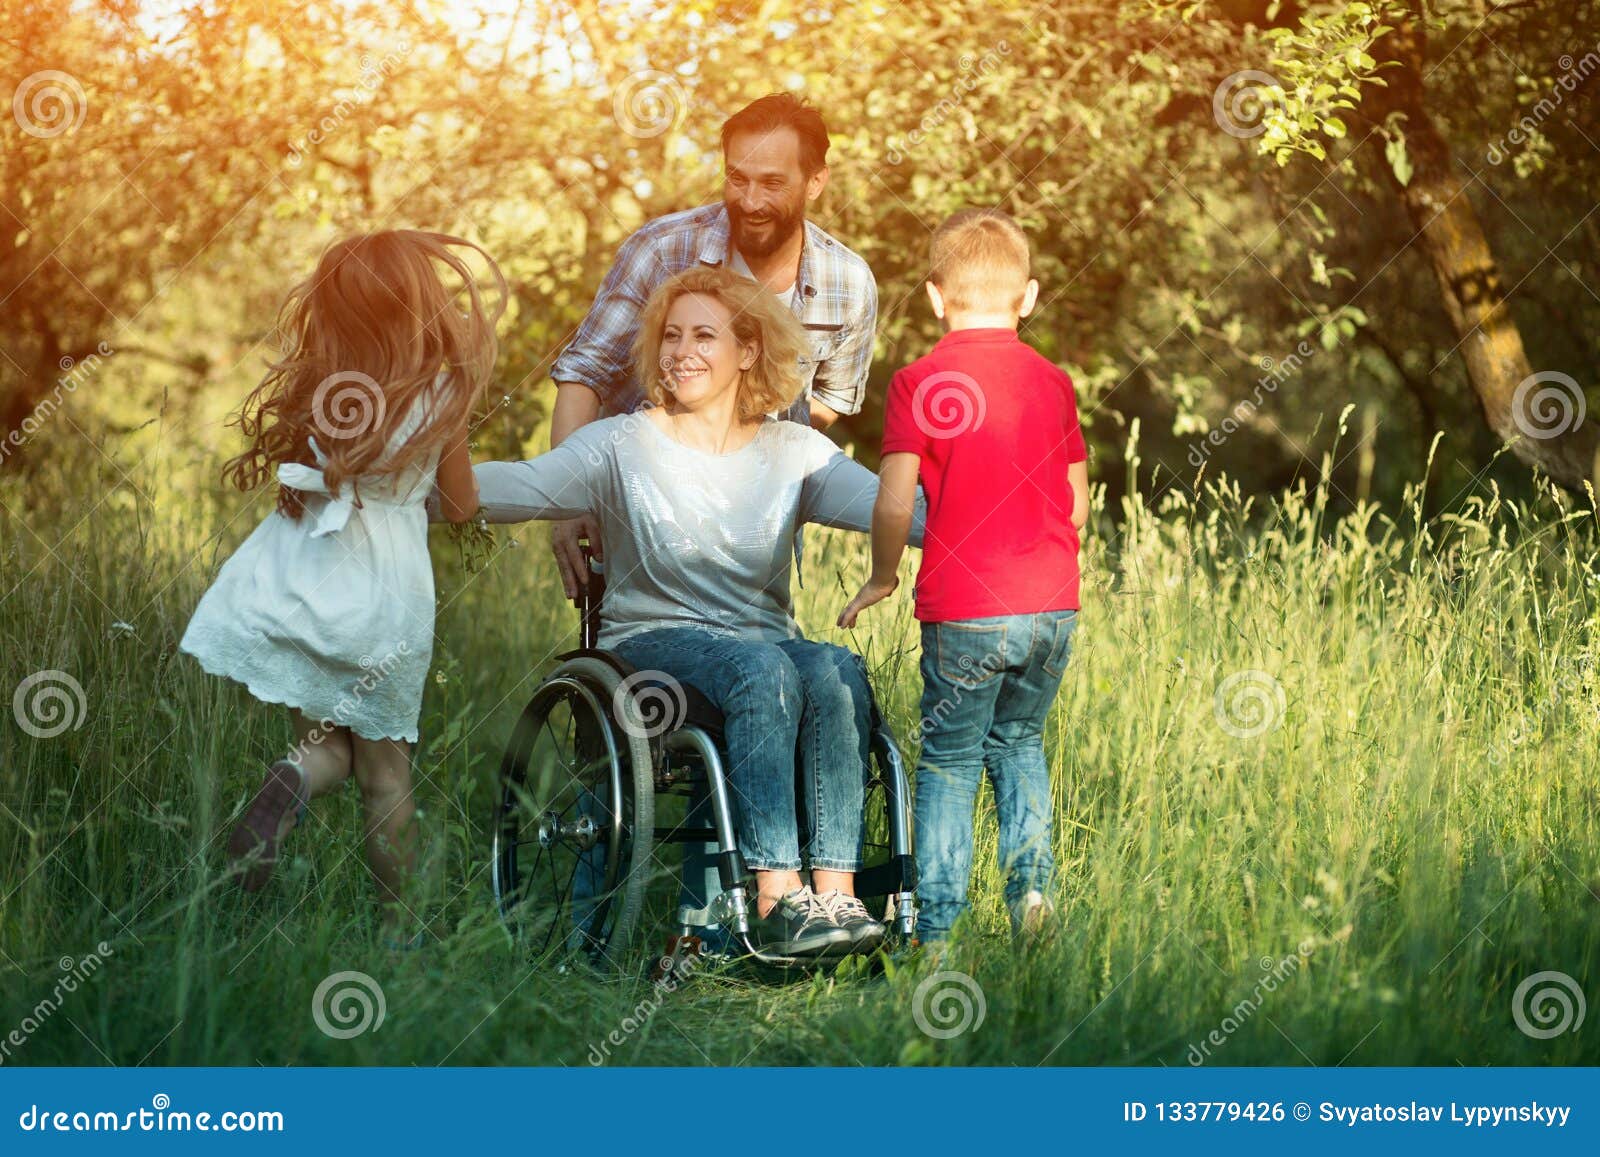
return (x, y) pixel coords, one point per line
(836, 300)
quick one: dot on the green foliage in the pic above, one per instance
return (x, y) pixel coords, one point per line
(1323, 63)
(221, 148)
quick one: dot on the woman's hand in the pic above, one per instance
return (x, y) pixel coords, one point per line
(872, 591)
(564, 539)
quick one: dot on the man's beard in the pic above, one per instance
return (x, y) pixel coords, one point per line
(763, 242)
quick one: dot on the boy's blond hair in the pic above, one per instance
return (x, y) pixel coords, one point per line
(980, 262)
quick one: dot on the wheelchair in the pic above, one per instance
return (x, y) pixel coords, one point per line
(577, 823)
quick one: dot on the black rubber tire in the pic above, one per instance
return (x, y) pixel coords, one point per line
(624, 762)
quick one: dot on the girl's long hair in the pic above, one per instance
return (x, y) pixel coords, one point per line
(364, 337)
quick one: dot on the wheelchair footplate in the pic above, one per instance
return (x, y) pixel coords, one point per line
(683, 957)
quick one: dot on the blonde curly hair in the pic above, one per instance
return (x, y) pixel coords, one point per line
(759, 320)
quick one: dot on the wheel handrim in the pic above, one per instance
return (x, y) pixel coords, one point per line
(563, 826)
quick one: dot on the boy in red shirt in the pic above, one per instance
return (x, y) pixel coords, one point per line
(992, 429)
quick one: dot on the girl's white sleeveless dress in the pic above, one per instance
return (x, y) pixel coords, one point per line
(333, 613)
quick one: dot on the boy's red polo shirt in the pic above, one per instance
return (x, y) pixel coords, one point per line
(995, 425)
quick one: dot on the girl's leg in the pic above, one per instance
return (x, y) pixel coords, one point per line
(382, 768)
(321, 756)
(322, 753)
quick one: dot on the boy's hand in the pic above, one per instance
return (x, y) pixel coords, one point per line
(872, 591)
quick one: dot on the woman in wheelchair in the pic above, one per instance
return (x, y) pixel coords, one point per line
(700, 496)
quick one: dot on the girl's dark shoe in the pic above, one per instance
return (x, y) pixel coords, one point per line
(253, 846)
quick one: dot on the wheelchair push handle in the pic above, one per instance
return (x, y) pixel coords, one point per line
(588, 598)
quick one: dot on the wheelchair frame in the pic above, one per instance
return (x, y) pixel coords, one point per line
(685, 752)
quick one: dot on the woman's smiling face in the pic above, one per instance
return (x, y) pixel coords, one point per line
(700, 358)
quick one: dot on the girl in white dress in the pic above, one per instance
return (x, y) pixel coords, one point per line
(328, 606)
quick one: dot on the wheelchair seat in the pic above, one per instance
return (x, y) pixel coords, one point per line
(698, 711)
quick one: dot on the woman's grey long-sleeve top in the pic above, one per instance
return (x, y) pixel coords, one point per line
(691, 539)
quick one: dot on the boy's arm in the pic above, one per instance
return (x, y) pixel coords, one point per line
(1078, 479)
(892, 516)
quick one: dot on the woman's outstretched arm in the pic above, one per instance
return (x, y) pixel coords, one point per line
(841, 492)
(559, 484)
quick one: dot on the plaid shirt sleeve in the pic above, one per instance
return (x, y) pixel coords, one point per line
(841, 381)
(599, 355)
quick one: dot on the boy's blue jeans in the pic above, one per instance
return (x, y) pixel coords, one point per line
(987, 686)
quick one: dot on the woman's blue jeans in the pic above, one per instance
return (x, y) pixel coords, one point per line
(987, 686)
(790, 706)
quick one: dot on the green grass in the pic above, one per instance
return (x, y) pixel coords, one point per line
(1422, 817)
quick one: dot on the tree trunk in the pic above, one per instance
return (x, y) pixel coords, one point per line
(1546, 421)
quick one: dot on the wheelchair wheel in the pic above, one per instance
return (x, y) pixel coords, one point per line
(574, 819)
(887, 880)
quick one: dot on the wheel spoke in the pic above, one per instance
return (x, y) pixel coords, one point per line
(555, 911)
(577, 862)
(568, 790)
